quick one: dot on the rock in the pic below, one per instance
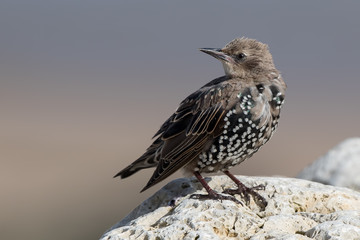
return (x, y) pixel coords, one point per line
(339, 167)
(297, 209)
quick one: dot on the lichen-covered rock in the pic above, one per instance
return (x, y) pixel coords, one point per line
(339, 167)
(297, 209)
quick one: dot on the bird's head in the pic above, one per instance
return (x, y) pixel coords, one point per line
(243, 56)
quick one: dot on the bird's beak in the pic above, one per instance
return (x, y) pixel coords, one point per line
(218, 54)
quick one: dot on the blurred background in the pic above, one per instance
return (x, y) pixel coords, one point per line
(85, 85)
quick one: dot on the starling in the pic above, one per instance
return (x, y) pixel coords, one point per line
(222, 124)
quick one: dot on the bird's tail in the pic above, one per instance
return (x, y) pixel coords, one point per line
(148, 160)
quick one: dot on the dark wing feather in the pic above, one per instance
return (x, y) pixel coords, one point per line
(172, 126)
(190, 105)
(189, 131)
(205, 121)
(148, 160)
(185, 152)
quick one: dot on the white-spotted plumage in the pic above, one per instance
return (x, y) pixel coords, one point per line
(245, 129)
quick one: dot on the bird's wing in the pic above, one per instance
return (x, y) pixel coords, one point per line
(190, 130)
(199, 99)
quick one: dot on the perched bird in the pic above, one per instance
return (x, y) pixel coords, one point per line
(222, 124)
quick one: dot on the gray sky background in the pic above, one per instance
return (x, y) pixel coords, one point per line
(85, 84)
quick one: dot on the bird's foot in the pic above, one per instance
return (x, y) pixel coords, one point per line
(215, 196)
(245, 193)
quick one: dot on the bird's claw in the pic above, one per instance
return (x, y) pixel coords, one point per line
(245, 193)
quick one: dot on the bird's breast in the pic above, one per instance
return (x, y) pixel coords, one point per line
(246, 126)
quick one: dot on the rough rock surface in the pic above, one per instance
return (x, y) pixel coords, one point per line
(339, 167)
(297, 209)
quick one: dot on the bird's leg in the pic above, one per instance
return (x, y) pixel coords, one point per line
(244, 191)
(211, 193)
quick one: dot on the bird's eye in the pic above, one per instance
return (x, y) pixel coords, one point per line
(241, 56)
